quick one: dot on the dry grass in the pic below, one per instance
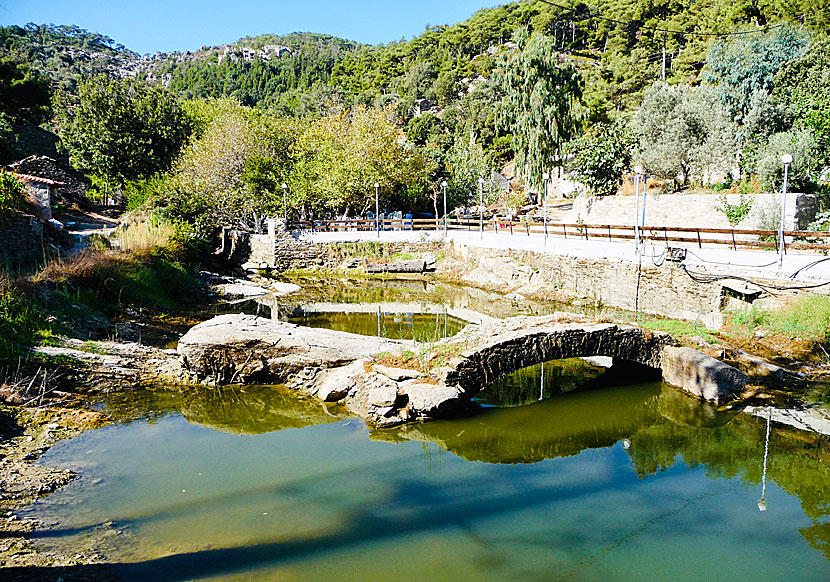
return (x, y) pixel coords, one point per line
(144, 234)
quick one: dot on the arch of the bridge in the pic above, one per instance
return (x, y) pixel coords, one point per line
(503, 355)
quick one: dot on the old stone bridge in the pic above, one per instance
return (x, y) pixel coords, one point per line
(339, 366)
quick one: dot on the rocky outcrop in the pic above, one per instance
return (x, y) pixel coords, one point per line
(241, 348)
(702, 375)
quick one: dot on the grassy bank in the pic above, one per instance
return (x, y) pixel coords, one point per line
(95, 287)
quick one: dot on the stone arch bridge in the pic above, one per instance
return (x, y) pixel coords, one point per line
(491, 352)
(339, 366)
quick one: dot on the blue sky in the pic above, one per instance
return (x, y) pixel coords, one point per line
(148, 26)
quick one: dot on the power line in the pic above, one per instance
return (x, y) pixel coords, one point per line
(633, 24)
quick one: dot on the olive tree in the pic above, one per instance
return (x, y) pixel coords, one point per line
(683, 133)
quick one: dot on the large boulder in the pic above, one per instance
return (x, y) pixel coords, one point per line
(245, 348)
(701, 375)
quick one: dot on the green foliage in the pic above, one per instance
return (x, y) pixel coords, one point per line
(803, 85)
(121, 130)
(338, 159)
(734, 213)
(24, 93)
(745, 65)
(11, 191)
(802, 172)
(466, 164)
(539, 104)
(682, 133)
(66, 53)
(807, 318)
(21, 324)
(601, 157)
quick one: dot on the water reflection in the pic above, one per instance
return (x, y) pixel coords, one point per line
(557, 377)
(234, 409)
(552, 494)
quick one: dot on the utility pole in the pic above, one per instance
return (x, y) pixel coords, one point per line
(663, 75)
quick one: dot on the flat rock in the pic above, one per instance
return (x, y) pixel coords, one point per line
(383, 396)
(397, 374)
(243, 348)
(432, 400)
(336, 383)
(701, 375)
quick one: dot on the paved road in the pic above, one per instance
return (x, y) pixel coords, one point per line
(807, 268)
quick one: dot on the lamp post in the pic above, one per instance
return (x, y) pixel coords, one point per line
(444, 188)
(786, 159)
(481, 207)
(285, 204)
(545, 178)
(377, 209)
(638, 170)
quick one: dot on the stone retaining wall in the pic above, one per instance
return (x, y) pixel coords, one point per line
(694, 210)
(22, 238)
(666, 290)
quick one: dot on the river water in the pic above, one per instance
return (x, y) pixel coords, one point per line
(567, 471)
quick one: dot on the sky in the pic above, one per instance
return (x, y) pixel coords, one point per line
(148, 26)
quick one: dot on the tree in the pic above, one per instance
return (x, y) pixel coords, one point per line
(121, 130)
(466, 164)
(744, 65)
(339, 158)
(24, 94)
(539, 106)
(601, 157)
(683, 133)
(11, 191)
(803, 86)
(234, 165)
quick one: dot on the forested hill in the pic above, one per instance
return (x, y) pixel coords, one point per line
(617, 43)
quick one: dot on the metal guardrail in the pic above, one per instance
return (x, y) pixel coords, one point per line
(735, 238)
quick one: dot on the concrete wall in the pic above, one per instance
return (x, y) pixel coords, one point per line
(694, 210)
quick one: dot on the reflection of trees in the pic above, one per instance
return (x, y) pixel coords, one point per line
(558, 427)
(558, 377)
(237, 409)
(798, 462)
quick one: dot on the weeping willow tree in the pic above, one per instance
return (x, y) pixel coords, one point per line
(539, 108)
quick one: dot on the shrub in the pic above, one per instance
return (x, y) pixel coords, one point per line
(11, 191)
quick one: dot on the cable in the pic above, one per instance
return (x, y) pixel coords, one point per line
(701, 259)
(810, 266)
(768, 287)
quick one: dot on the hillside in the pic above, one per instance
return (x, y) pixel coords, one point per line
(615, 42)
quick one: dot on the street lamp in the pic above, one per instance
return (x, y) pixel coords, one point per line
(638, 170)
(444, 188)
(481, 207)
(545, 178)
(786, 159)
(377, 209)
(285, 204)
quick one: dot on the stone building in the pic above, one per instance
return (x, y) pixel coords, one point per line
(41, 192)
(72, 183)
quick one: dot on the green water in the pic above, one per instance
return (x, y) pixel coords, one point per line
(418, 326)
(627, 482)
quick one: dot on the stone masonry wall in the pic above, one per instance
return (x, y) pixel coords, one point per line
(664, 290)
(22, 238)
(694, 210)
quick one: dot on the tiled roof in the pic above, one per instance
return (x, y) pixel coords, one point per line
(46, 181)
